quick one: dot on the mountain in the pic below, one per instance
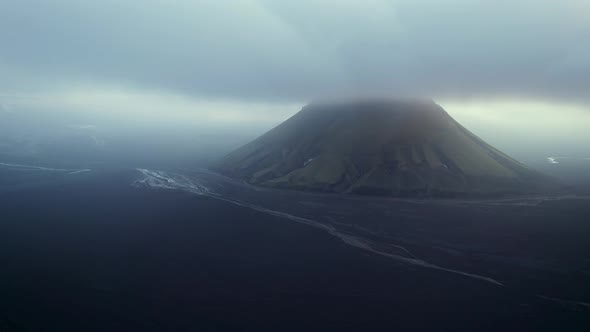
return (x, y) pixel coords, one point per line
(386, 147)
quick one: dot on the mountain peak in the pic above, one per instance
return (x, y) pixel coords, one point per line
(378, 146)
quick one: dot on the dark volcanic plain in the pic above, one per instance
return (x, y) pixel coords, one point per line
(148, 250)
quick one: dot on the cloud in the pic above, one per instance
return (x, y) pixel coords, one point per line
(292, 51)
(148, 108)
(82, 126)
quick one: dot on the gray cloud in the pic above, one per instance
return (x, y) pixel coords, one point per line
(287, 50)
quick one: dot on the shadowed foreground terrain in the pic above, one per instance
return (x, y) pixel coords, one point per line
(181, 251)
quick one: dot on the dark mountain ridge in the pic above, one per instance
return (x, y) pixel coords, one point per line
(379, 146)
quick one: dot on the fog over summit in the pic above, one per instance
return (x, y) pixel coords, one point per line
(294, 51)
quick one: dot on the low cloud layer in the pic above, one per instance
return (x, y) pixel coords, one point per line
(292, 51)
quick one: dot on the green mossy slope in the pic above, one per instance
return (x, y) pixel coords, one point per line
(389, 147)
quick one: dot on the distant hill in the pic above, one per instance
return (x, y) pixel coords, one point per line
(387, 147)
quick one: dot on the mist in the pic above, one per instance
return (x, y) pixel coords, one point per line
(147, 80)
(98, 128)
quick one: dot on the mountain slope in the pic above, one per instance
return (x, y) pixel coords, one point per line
(391, 147)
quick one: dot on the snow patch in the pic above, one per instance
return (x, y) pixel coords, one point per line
(19, 167)
(554, 160)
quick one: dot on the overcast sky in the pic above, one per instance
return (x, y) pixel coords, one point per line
(245, 59)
